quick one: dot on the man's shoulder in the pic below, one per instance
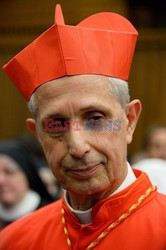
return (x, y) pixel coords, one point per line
(45, 215)
(157, 206)
(161, 199)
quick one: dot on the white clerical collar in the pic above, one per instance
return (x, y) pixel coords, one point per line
(85, 216)
(28, 204)
(130, 178)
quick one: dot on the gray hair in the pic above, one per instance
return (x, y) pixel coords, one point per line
(118, 88)
(120, 91)
(32, 105)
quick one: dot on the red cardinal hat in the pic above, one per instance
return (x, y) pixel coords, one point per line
(101, 44)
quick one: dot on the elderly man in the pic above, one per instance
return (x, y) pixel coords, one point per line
(74, 78)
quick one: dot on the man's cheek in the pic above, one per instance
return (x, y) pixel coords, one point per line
(104, 141)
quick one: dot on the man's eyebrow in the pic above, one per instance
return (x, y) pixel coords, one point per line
(96, 107)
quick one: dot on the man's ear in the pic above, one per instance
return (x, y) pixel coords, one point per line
(31, 124)
(133, 111)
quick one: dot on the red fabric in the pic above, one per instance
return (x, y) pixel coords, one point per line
(145, 229)
(101, 44)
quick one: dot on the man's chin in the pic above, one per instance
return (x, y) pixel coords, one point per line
(85, 188)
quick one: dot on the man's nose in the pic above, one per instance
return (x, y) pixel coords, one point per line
(78, 143)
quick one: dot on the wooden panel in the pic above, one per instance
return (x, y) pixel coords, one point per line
(13, 111)
(147, 82)
(34, 13)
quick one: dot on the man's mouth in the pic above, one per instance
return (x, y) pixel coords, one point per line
(84, 172)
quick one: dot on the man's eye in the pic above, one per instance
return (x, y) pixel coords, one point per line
(56, 127)
(96, 117)
(52, 124)
(58, 124)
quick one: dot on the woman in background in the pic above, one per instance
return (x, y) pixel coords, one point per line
(21, 189)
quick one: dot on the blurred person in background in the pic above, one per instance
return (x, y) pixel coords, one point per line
(21, 188)
(51, 183)
(153, 160)
(35, 151)
(155, 142)
(156, 170)
(154, 145)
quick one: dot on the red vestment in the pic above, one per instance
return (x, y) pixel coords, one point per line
(144, 229)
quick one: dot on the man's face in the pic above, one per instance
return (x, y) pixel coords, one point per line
(83, 161)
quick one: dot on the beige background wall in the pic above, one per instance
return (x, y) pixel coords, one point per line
(23, 21)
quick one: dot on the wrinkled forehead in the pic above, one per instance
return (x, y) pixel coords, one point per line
(73, 88)
(72, 83)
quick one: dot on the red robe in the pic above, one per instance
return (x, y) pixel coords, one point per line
(144, 229)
